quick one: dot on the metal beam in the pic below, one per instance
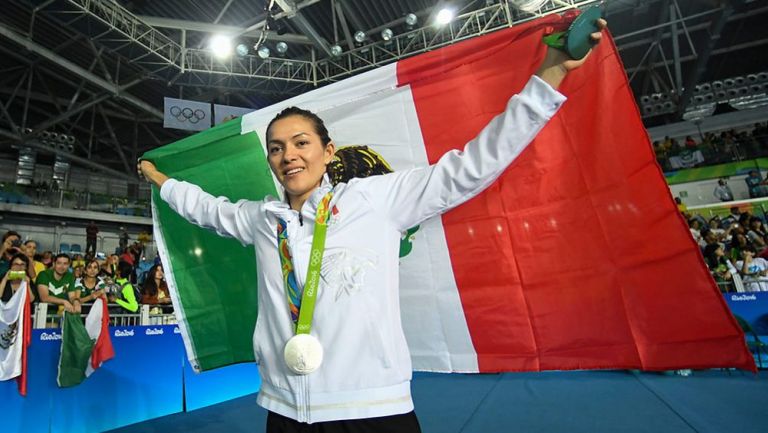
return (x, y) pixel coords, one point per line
(301, 22)
(223, 11)
(37, 145)
(77, 70)
(195, 26)
(344, 26)
(716, 29)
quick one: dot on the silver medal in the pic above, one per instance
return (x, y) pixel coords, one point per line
(303, 354)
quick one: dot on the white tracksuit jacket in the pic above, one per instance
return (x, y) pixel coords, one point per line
(366, 370)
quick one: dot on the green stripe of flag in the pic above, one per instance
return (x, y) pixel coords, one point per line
(215, 277)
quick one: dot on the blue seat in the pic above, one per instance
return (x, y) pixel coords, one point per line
(75, 248)
(64, 248)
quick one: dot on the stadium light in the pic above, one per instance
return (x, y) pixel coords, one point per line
(221, 46)
(444, 17)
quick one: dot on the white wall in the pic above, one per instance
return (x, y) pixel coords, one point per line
(701, 192)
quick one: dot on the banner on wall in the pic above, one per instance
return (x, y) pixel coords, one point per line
(185, 114)
(223, 113)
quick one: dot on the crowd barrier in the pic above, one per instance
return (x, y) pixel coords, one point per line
(151, 377)
(148, 378)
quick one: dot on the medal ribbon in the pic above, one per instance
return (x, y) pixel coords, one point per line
(298, 298)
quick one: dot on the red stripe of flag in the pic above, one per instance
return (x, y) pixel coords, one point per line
(577, 256)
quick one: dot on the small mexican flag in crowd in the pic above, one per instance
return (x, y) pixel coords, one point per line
(15, 336)
(84, 347)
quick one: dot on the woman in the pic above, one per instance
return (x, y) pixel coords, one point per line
(10, 284)
(725, 274)
(155, 290)
(109, 269)
(90, 285)
(739, 241)
(351, 355)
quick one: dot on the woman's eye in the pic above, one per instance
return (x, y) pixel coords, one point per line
(302, 143)
(274, 149)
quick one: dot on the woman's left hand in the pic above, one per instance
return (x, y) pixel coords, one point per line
(557, 63)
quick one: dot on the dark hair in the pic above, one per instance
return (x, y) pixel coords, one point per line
(10, 233)
(60, 255)
(150, 288)
(88, 263)
(30, 240)
(23, 258)
(317, 122)
(710, 256)
(754, 218)
(124, 269)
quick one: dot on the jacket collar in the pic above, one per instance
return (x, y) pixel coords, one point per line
(281, 208)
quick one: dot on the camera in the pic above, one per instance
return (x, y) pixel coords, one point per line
(16, 275)
(16, 243)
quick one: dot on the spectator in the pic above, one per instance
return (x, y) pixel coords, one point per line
(124, 238)
(57, 285)
(10, 283)
(732, 218)
(723, 191)
(47, 259)
(754, 270)
(755, 184)
(739, 241)
(125, 296)
(756, 234)
(723, 271)
(77, 272)
(690, 143)
(680, 205)
(155, 290)
(30, 249)
(109, 268)
(11, 246)
(90, 286)
(91, 233)
(695, 227)
(78, 261)
(127, 256)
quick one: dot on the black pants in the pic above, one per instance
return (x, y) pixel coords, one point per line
(90, 245)
(405, 423)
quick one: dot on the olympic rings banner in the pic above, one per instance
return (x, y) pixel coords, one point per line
(184, 114)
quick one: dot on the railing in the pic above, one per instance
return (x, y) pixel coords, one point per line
(44, 317)
(73, 199)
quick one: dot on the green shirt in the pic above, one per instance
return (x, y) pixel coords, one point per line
(128, 300)
(84, 291)
(57, 288)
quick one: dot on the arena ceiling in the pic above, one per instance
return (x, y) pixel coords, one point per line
(97, 70)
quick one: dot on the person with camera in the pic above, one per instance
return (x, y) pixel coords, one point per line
(16, 278)
(9, 248)
(754, 269)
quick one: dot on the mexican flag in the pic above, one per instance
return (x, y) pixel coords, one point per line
(15, 336)
(84, 347)
(575, 258)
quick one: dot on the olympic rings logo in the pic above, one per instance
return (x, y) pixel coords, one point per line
(187, 114)
(316, 257)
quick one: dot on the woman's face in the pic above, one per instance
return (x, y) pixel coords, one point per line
(92, 270)
(297, 156)
(159, 274)
(741, 239)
